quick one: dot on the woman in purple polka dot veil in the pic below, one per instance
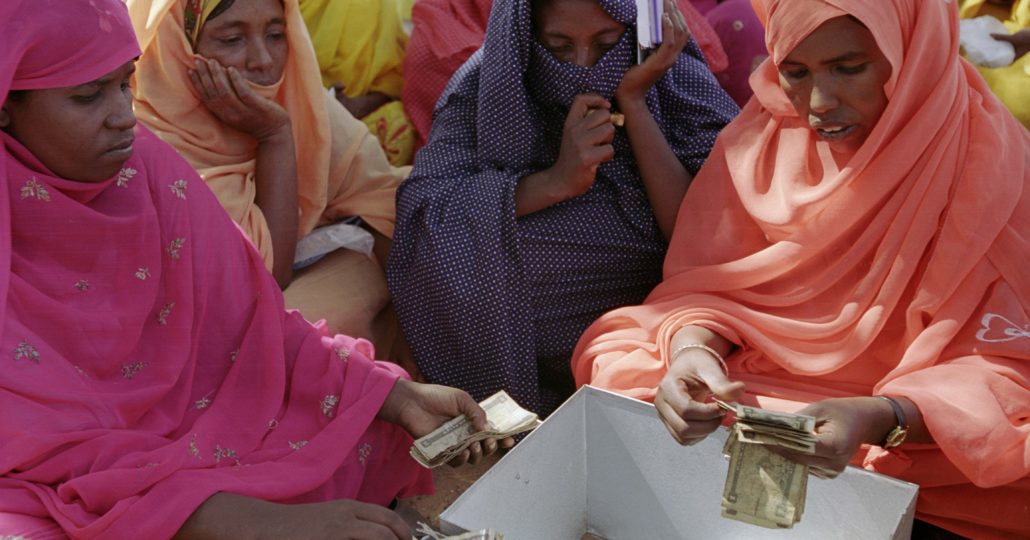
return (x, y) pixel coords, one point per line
(529, 212)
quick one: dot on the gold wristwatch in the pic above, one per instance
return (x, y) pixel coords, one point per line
(900, 431)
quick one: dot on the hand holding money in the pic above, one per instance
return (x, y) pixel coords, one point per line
(504, 418)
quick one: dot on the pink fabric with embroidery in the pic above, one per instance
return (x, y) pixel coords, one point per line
(147, 360)
(901, 270)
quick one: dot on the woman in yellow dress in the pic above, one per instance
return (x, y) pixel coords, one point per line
(1011, 83)
(360, 48)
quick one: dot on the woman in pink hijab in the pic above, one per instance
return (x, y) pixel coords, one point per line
(855, 247)
(152, 382)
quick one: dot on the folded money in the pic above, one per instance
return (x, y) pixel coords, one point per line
(425, 532)
(762, 487)
(504, 418)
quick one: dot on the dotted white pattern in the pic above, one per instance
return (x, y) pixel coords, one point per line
(489, 301)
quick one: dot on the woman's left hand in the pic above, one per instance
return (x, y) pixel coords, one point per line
(641, 77)
(421, 408)
(842, 425)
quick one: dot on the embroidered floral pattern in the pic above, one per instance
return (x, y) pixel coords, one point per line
(328, 404)
(364, 452)
(124, 176)
(226, 453)
(174, 247)
(24, 351)
(297, 445)
(179, 188)
(33, 189)
(272, 424)
(193, 450)
(162, 316)
(82, 285)
(142, 273)
(342, 353)
(130, 370)
(232, 357)
(203, 402)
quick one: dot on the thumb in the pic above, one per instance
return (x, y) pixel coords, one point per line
(719, 384)
(468, 407)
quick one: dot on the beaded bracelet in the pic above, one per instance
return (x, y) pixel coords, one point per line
(705, 348)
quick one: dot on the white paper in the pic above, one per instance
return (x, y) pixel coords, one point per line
(327, 239)
(649, 23)
(982, 49)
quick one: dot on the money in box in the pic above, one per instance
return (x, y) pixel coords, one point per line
(604, 464)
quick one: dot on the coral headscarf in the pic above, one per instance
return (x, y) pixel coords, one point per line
(148, 360)
(167, 103)
(902, 271)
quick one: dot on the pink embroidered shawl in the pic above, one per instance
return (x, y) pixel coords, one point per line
(146, 360)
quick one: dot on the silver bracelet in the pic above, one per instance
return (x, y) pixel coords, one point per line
(705, 348)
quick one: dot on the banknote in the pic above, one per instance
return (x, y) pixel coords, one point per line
(762, 487)
(425, 532)
(504, 418)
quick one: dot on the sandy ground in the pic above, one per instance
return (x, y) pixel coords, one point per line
(450, 484)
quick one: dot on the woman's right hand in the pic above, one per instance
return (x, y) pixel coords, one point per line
(693, 376)
(226, 94)
(586, 143)
(226, 515)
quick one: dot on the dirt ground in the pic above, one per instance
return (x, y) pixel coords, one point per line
(450, 484)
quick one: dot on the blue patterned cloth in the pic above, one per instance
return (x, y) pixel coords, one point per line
(490, 301)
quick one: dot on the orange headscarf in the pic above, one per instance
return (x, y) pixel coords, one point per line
(900, 271)
(167, 103)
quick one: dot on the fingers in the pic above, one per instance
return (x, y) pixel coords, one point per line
(383, 521)
(712, 375)
(507, 443)
(242, 90)
(688, 421)
(461, 458)
(582, 104)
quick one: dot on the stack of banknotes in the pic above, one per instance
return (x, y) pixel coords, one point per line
(504, 418)
(425, 532)
(762, 487)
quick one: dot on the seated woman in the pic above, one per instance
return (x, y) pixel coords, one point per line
(860, 231)
(360, 49)
(528, 213)
(445, 33)
(743, 39)
(153, 382)
(235, 88)
(1010, 83)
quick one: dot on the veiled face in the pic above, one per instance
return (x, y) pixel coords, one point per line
(83, 132)
(835, 80)
(575, 31)
(249, 36)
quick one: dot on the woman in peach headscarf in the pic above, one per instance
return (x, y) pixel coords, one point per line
(235, 88)
(860, 230)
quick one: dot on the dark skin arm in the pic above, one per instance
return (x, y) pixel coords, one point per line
(418, 408)
(664, 176)
(586, 143)
(226, 94)
(360, 106)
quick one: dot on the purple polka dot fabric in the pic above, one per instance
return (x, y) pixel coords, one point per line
(489, 301)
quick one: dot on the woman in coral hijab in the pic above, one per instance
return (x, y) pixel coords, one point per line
(152, 382)
(859, 231)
